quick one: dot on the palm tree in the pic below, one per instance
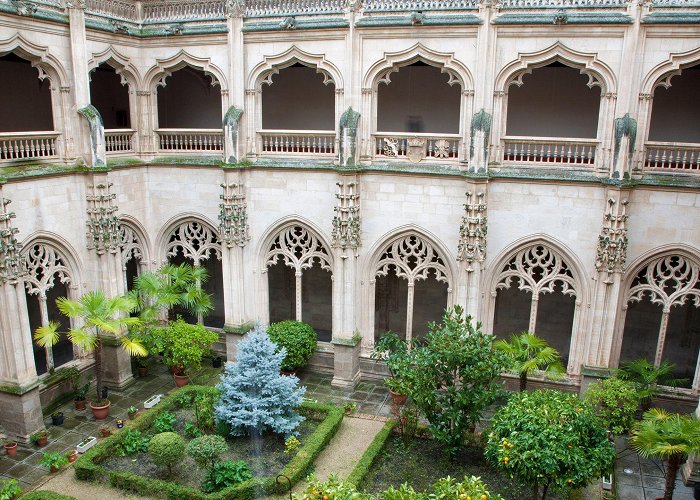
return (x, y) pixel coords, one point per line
(646, 377)
(527, 353)
(668, 436)
(101, 316)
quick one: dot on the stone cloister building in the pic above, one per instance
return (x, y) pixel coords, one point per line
(359, 165)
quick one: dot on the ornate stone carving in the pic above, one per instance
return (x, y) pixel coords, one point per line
(441, 148)
(232, 120)
(233, 216)
(24, 8)
(346, 222)
(175, 29)
(103, 223)
(143, 93)
(12, 266)
(611, 253)
(44, 265)
(129, 243)
(415, 150)
(97, 135)
(625, 128)
(538, 269)
(288, 23)
(299, 249)
(668, 281)
(391, 147)
(413, 259)
(480, 131)
(561, 17)
(195, 240)
(76, 4)
(472, 232)
(235, 8)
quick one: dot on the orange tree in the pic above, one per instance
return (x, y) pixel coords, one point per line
(548, 438)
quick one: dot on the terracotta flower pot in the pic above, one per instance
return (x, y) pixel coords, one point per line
(72, 456)
(398, 399)
(143, 371)
(11, 449)
(105, 432)
(132, 415)
(53, 469)
(100, 412)
(42, 441)
(181, 380)
(79, 404)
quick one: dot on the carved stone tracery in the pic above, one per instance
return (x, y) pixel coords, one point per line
(413, 259)
(299, 249)
(538, 269)
(129, 243)
(12, 266)
(346, 222)
(668, 281)
(472, 232)
(103, 223)
(233, 216)
(611, 253)
(195, 240)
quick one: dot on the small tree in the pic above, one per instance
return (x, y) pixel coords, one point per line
(647, 378)
(547, 438)
(669, 436)
(207, 450)
(167, 448)
(528, 353)
(299, 340)
(254, 396)
(454, 376)
(617, 401)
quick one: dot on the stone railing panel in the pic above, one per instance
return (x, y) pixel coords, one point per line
(28, 145)
(122, 9)
(182, 10)
(556, 4)
(416, 147)
(190, 140)
(672, 157)
(418, 5)
(549, 151)
(271, 8)
(119, 140)
(308, 142)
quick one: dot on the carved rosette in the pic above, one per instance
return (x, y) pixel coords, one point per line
(12, 266)
(194, 240)
(299, 249)
(472, 232)
(346, 222)
(611, 253)
(233, 216)
(538, 269)
(103, 223)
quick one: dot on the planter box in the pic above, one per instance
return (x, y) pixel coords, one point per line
(152, 401)
(607, 482)
(86, 444)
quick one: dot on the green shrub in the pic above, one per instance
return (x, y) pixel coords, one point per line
(226, 473)
(9, 488)
(206, 450)
(166, 448)
(192, 431)
(298, 338)
(53, 459)
(133, 442)
(617, 401)
(165, 422)
(44, 495)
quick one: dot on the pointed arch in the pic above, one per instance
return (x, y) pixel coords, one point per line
(194, 234)
(599, 73)
(64, 256)
(39, 56)
(134, 241)
(381, 70)
(271, 65)
(121, 64)
(661, 74)
(165, 67)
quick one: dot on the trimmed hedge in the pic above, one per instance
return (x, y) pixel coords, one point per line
(88, 467)
(371, 454)
(46, 495)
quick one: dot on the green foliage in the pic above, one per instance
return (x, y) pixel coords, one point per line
(9, 488)
(226, 473)
(165, 422)
(393, 350)
(668, 436)
(192, 431)
(453, 377)
(298, 338)
(53, 459)
(549, 438)
(38, 435)
(206, 450)
(185, 344)
(291, 444)
(204, 412)
(469, 487)
(617, 401)
(528, 353)
(331, 489)
(133, 442)
(647, 378)
(371, 453)
(43, 495)
(166, 448)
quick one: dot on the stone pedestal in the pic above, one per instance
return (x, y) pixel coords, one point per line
(346, 364)
(20, 414)
(234, 335)
(116, 366)
(593, 374)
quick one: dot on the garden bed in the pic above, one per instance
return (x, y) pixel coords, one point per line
(264, 455)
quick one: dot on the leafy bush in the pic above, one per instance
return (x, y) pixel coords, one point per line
(53, 459)
(186, 344)
(206, 450)
(547, 438)
(617, 401)
(42, 495)
(299, 340)
(165, 422)
(133, 442)
(166, 448)
(9, 488)
(226, 473)
(192, 431)
(204, 412)
(254, 396)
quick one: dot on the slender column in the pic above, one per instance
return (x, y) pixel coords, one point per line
(297, 294)
(81, 82)
(533, 312)
(409, 310)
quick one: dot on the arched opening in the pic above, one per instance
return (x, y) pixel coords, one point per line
(662, 318)
(297, 99)
(299, 280)
(512, 313)
(189, 101)
(675, 110)
(25, 99)
(110, 97)
(62, 352)
(418, 99)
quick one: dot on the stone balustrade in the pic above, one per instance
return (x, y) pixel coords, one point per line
(119, 140)
(269, 8)
(549, 4)
(415, 147)
(549, 151)
(672, 157)
(175, 140)
(28, 145)
(121, 9)
(307, 142)
(179, 10)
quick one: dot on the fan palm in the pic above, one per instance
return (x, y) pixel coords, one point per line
(101, 317)
(668, 436)
(646, 377)
(528, 353)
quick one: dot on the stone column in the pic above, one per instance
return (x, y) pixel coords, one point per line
(103, 239)
(471, 251)
(20, 407)
(346, 242)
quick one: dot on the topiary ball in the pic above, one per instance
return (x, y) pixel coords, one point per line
(166, 448)
(298, 338)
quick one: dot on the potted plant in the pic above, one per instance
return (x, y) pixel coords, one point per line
(40, 438)
(142, 366)
(132, 411)
(528, 353)
(668, 436)
(647, 378)
(10, 447)
(393, 350)
(101, 317)
(187, 346)
(57, 418)
(298, 338)
(105, 432)
(72, 455)
(53, 461)
(9, 489)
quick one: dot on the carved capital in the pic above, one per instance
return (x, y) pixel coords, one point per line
(346, 222)
(143, 93)
(233, 215)
(611, 253)
(472, 232)
(235, 8)
(64, 90)
(103, 223)
(12, 265)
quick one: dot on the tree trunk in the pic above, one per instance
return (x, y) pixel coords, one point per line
(523, 381)
(536, 492)
(544, 491)
(674, 463)
(98, 370)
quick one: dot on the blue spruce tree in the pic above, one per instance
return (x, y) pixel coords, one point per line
(254, 396)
